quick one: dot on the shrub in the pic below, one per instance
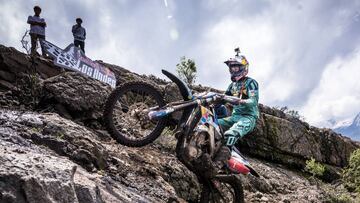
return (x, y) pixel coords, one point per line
(351, 174)
(316, 169)
(339, 198)
(291, 112)
(344, 198)
(186, 70)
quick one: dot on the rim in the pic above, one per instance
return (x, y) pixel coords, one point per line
(130, 114)
(222, 192)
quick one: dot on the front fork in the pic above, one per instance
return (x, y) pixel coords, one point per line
(185, 126)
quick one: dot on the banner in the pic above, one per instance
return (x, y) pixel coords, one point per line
(73, 58)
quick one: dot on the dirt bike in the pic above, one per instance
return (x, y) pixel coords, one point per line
(136, 114)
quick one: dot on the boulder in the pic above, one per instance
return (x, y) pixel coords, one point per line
(13, 63)
(76, 95)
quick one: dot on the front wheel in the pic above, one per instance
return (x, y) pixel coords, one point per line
(226, 189)
(126, 114)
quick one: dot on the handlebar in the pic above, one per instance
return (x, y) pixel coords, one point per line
(200, 100)
(213, 97)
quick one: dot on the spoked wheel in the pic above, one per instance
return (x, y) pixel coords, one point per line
(225, 189)
(126, 114)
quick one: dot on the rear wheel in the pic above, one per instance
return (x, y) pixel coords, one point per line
(126, 114)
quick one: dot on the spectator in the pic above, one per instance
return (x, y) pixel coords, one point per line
(37, 30)
(79, 34)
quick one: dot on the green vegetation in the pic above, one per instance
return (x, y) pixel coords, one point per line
(167, 139)
(316, 169)
(101, 172)
(341, 198)
(351, 181)
(351, 174)
(60, 135)
(290, 112)
(28, 86)
(33, 83)
(186, 70)
(36, 130)
(344, 198)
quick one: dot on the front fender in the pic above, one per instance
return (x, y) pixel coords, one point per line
(202, 128)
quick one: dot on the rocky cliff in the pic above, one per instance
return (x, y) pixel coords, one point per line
(54, 148)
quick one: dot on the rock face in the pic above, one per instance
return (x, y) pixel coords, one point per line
(75, 96)
(46, 158)
(54, 149)
(285, 139)
(29, 176)
(14, 63)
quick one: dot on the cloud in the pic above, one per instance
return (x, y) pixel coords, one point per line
(218, 44)
(290, 41)
(290, 45)
(338, 94)
(13, 24)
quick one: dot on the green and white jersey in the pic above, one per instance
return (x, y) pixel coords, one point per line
(248, 89)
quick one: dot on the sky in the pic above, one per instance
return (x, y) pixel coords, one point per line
(305, 54)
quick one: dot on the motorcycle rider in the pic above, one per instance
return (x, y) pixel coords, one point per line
(245, 110)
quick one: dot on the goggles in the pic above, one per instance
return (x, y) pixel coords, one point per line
(236, 68)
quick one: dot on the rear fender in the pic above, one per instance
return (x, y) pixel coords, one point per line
(252, 171)
(236, 153)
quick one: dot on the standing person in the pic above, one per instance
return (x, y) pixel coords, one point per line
(79, 34)
(37, 30)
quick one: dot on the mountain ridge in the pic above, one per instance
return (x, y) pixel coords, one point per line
(351, 130)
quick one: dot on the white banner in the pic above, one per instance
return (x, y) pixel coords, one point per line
(73, 58)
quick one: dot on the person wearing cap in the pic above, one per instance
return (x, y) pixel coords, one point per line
(79, 34)
(37, 30)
